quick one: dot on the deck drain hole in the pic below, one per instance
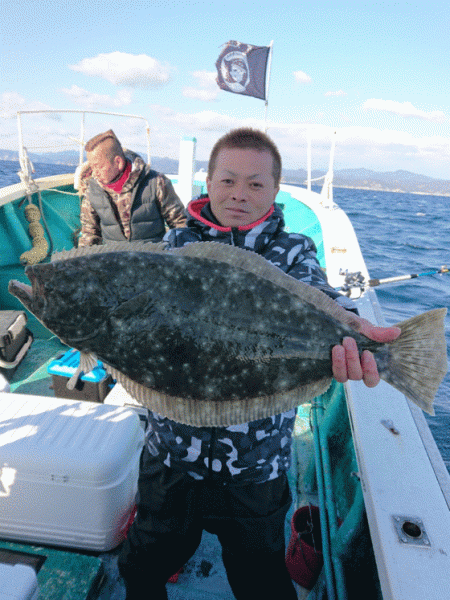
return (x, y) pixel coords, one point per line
(412, 530)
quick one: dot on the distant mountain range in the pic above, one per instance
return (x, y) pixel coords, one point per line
(396, 181)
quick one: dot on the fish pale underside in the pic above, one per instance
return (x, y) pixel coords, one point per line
(415, 363)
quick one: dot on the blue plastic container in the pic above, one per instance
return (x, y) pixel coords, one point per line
(93, 386)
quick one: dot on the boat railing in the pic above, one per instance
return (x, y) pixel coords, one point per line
(81, 140)
(327, 187)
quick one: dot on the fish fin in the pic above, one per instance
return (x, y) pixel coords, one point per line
(417, 361)
(255, 263)
(138, 246)
(214, 413)
(87, 363)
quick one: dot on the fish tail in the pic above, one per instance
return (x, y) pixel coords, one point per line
(417, 359)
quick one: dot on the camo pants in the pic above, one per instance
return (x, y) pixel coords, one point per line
(174, 509)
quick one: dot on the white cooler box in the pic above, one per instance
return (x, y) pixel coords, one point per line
(18, 582)
(68, 471)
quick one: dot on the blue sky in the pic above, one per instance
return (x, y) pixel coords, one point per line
(375, 72)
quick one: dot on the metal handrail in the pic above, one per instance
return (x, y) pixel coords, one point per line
(81, 141)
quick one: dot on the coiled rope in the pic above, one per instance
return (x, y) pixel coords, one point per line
(33, 214)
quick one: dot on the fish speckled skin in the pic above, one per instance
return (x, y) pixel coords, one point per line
(206, 323)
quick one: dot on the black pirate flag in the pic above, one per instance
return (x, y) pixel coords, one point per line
(241, 69)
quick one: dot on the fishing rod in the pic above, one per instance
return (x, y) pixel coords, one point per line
(356, 280)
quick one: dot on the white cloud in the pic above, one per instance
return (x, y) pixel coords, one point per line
(338, 93)
(130, 70)
(301, 77)
(400, 141)
(292, 136)
(208, 88)
(11, 102)
(404, 109)
(206, 120)
(369, 147)
(89, 100)
(196, 94)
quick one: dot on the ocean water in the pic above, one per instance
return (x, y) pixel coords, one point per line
(399, 234)
(9, 169)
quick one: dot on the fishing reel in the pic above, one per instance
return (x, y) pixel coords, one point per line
(352, 281)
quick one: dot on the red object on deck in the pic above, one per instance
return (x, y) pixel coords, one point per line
(304, 558)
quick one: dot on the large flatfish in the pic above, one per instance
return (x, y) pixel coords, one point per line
(213, 335)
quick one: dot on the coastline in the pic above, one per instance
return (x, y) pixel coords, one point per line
(300, 182)
(395, 191)
(375, 189)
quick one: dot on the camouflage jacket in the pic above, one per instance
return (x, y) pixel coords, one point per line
(261, 450)
(158, 204)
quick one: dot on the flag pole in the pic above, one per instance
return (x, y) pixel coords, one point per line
(267, 86)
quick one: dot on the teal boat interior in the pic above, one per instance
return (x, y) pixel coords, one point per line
(324, 470)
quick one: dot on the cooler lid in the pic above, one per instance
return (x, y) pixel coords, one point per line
(75, 442)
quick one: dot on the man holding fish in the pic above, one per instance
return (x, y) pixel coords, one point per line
(221, 332)
(231, 480)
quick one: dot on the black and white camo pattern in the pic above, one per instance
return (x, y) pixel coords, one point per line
(257, 451)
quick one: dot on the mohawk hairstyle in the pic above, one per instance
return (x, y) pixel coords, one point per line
(111, 143)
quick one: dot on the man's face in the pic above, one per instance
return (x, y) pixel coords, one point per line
(242, 187)
(104, 170)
